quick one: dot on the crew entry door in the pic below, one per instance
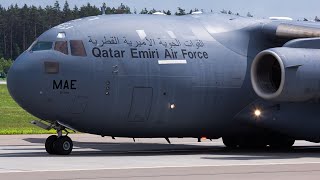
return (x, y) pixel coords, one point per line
(140, 104)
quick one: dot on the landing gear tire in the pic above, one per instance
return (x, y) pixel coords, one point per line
(58, 145)
(63, 145)
(282, 143)
(49, 144)
(230, 142)
(244, 143)
(252, 143)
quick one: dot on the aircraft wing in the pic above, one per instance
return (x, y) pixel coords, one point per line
(292, 30)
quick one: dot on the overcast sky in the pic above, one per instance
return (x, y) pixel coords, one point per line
(292, 8)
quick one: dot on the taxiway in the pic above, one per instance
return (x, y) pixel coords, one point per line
(94, 157)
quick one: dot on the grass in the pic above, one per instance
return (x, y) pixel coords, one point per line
(13, 119)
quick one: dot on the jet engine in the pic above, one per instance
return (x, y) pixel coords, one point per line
(287, 74)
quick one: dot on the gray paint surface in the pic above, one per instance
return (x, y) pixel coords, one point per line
(160, 76)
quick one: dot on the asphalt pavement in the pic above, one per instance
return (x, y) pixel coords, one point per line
(94, 157)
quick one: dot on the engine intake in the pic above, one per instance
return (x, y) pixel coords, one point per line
(287, 74)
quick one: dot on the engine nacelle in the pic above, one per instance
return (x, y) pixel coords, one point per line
(287, 74)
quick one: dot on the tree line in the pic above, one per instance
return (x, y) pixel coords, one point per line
(4, 67)
(20, 26)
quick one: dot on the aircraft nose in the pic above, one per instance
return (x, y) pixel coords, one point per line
(22, 81)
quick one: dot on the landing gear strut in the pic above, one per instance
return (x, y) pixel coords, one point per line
(59, 144)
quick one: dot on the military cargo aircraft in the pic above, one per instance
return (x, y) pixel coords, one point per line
(255, 83)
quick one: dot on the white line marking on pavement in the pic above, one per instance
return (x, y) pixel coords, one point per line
(157, 167)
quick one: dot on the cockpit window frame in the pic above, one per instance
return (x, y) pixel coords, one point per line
(66, 48)
(30, 47)
(37, 42)
(83, 52)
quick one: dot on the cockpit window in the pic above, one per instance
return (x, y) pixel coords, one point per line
(77, 48)
(61, 46)
(42, 45)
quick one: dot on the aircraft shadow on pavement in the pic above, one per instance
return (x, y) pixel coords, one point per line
(87, 149)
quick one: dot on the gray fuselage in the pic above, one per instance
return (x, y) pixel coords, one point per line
(148, 76)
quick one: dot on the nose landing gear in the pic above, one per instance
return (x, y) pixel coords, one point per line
(59, 144)
(56, 144)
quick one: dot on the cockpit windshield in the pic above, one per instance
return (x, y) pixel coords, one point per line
(61, 46)
(42, 45)
(77, 48)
